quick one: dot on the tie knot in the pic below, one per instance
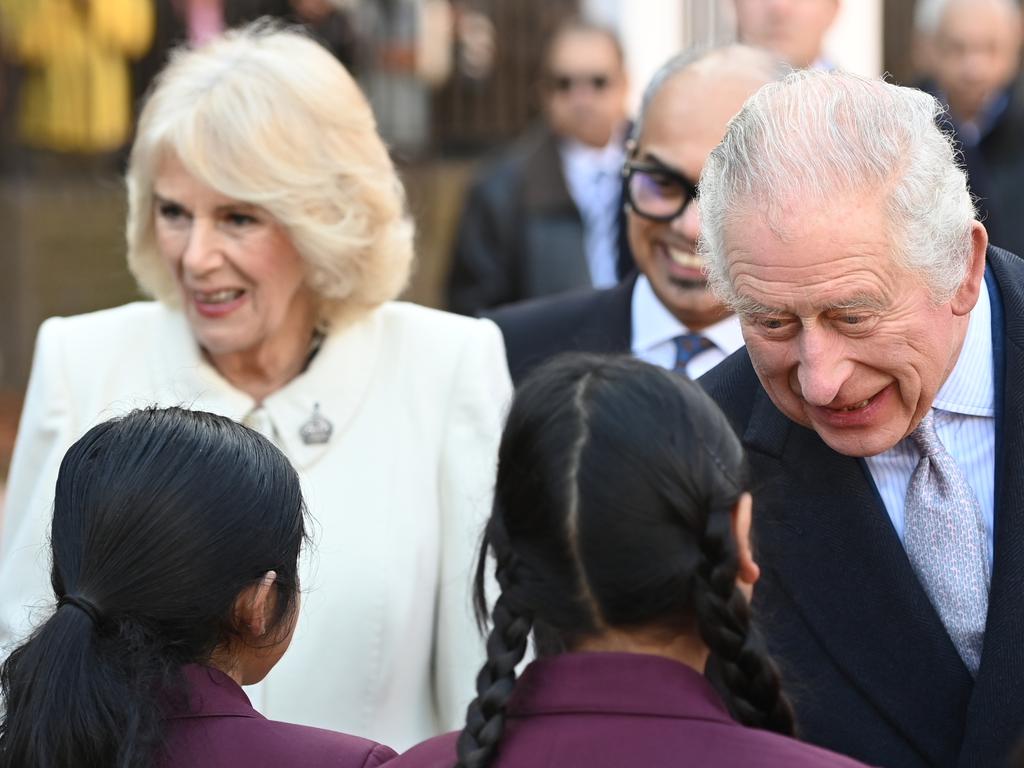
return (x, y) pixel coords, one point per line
(925, 438)
(688, 346)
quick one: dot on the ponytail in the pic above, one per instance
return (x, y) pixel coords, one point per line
(160, 520)
(81, 692)
(739, 665)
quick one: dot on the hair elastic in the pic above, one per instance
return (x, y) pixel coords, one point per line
(84, 605)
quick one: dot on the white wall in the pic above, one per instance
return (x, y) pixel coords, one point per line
(855, 40)
(653, 30)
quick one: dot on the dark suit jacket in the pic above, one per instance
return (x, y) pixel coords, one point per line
(874, 672)
(220, 729)
(995, 168)
(613, 710)
(581, 321)
(998, 164)
(521, 235)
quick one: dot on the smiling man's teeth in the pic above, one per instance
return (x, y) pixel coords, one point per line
(684, 259)
(856, 406)
(218, 297)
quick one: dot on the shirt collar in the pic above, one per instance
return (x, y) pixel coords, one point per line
(823, 64)
(653, 324)
(969, 388)
(971, 133)
(627, 683)
(582, 159)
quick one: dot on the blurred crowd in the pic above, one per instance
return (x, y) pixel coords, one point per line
(74, 71)
(716, 434)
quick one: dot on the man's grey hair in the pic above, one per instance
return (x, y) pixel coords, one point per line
(742, 58)
(819, 138)
(928, 13)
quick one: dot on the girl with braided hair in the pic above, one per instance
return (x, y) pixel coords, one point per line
(620, 537)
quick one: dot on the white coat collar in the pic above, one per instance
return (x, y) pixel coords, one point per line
(337, 380)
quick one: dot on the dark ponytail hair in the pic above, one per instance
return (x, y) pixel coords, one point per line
(613, 509)
(161, 518)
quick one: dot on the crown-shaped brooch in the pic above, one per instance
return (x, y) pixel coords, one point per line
(317, 429)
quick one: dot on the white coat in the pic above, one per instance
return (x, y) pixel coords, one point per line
(386, 646)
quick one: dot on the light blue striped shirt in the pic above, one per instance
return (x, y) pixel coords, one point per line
(594, 178)
(965, 421)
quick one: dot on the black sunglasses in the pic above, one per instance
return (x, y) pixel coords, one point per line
(566, 83)
(656, 192)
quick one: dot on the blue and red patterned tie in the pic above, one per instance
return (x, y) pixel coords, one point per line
(688, 346)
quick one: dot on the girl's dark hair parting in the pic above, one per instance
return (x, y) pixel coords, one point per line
(161, 519)
(616, 487)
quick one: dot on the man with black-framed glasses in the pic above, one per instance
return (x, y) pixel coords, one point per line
(663, 314)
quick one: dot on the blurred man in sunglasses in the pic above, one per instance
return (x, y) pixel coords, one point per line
(546, 217)
(665, 314)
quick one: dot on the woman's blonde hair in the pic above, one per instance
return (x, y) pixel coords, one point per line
(266, 115)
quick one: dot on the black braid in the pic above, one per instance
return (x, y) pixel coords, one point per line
(740, 665)
(506, 646)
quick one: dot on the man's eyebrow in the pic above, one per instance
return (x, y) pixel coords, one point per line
(861, 301)
(744, 305)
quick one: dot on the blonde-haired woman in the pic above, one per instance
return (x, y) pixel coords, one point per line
(267, 220)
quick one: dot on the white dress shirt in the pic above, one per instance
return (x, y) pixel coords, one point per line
(654, 329)
(965, 421)
(594, 178)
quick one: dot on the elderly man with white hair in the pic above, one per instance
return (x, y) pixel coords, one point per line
(877, 401)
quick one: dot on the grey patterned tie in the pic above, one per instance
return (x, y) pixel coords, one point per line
(946, 542)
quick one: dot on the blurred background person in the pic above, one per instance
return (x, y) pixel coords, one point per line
(665, 314)
(546, 216)
(792, 29)
(76, 109)
(198, 21)
(175, 543)
(266, 218)
(620, 534)
(974, 67)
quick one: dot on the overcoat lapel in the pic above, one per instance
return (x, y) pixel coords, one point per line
(836, 556)
(996, 714)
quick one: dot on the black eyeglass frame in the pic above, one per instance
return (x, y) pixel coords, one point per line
(631, 167)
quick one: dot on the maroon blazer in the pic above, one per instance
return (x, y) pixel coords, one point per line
(220, 729)
(609, 710)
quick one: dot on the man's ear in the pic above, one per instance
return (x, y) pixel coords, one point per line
(966, 295)
(748, 572)
(254, 606)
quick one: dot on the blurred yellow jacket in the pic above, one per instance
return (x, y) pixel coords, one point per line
(77, 92)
